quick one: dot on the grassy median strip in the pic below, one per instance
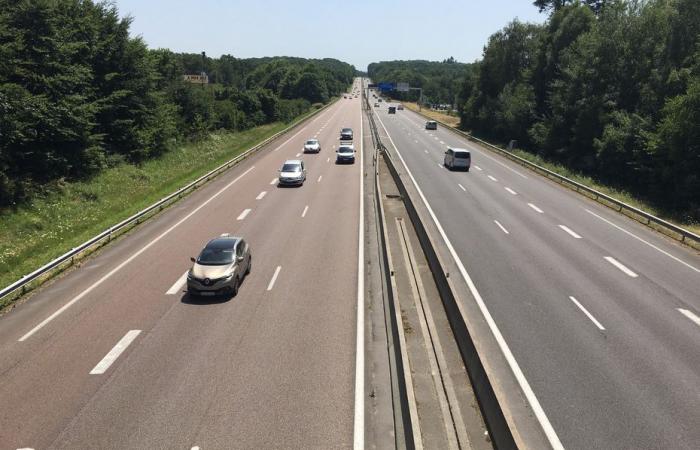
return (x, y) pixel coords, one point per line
(44, 229)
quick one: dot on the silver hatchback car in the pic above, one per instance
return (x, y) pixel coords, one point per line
(220, 267)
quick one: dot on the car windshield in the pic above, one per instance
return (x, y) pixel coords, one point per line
(462, 155)
(311, 142)
(345, 150)
(213, 256)
(347, 130)
(291, 168)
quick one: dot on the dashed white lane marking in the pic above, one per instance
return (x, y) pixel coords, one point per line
(129, 259)
(442, 142)
(436, 138)
(690, 315)
(261, 195)
(274, 278)
(620, 266)
(175, 288)
(585, 311)
(511, 191)
(320, 177)
(478, 168)
(640, 239)
(328, 160)
(416, 141)
(25, 448)
(306, 208)
(535, 208)
(244, 214)
(570, 231)
(426, 151)
(298, 155)
(440, 165)
(492, 178)
(274, 180)
(501, 227)
(462, 187)
(195, 448)
(113, 354)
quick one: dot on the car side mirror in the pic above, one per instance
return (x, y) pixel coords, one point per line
(192, 259)
(445, 152)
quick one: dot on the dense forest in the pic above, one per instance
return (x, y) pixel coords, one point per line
(608, 88)
(441, 81)
(79, 94)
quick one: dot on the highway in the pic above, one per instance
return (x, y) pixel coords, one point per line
(600, 313)
(115, 354)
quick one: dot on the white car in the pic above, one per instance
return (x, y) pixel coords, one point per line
(312, 146)
(292, 173)
(345, 154)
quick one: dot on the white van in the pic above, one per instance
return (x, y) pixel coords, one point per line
(458, 158)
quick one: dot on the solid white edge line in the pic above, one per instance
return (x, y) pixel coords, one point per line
(306, 208)
(359, 419)
(462, 187)
(533, 206)
(640, 239)
(501, 227)
(510, 191)
(128, 260)
(690, 315)
(570, 231)
(274, 278)
(620, 266)
(116, 351)
(585, 311)
(243, 215)
(503, 345)
(175, 288)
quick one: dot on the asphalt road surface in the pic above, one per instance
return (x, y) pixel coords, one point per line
(600, 313)
(115, 354)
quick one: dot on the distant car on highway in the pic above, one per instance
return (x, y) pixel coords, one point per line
(400, 107)
(345, 154)
(431, 125)
(457, 158)
(292, 173)
(392, 110)
(346, 134)
(220, 267)
(376, 105)
(312, 146)
(380, 100)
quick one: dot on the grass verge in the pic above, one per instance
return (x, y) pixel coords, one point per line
(452, 121)
(36, 233)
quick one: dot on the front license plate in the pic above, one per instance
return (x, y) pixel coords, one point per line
(205, 293)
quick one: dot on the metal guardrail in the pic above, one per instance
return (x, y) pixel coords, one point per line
(19, 287)
(496, 422)
(674, 231)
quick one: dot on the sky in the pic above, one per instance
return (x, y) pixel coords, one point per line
(357, 32)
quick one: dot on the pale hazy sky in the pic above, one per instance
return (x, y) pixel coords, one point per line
(357, 32)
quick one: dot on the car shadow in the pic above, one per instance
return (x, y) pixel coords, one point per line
(203, 301)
